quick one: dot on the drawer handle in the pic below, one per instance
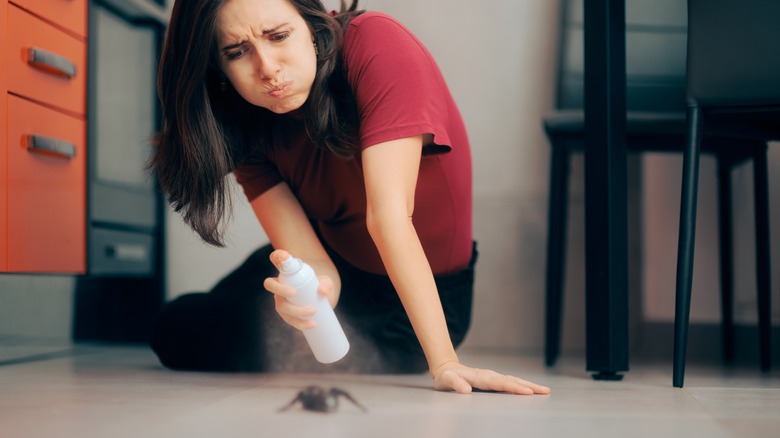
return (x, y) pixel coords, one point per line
(126, 252)
(50, 62)
(40, 144)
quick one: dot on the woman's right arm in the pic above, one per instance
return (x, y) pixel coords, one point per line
(288, 228)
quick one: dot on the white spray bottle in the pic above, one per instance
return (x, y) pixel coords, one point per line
(326, 340)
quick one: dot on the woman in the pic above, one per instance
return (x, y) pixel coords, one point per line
(347, 143)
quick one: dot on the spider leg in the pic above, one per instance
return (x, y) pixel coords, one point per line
(340, 392)
(289, 405)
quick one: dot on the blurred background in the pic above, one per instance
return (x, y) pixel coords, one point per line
(501, 61)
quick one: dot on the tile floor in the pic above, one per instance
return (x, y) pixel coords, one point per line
(96, 391)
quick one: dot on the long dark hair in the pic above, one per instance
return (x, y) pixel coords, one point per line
(207, 129)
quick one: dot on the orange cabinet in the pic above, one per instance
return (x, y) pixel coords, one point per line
(3, 129)
(45, 64)
(46, 197)
(43, 191)
(67, 14)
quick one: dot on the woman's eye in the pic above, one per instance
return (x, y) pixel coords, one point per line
(278, 37)
(236, 54)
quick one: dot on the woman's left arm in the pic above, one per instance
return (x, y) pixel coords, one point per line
(390, 172)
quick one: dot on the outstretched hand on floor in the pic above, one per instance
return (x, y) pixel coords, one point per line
(454, 376)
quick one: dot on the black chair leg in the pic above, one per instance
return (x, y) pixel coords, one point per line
(686, 241)
(726, 257)
(556, 248)
(763, 273)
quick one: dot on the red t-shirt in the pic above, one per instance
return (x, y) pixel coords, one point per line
(400, 93)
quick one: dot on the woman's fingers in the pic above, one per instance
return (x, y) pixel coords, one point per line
(493, 381)
(278, 256)
(326, 285)
(296, 316)
(463, 379)
(276, 287)
(293, 314)
(536, 388)
(454, 381)
(507, 383)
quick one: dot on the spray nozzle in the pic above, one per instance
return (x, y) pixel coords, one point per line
(291, 264)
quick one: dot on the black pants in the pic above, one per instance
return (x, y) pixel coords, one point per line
(235, 327)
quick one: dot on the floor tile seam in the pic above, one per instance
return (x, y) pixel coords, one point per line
(737, 388)
(713, 416)
(64, 353)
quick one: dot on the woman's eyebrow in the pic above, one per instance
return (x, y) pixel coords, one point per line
(265, 32)
(233, 46)
(275, 29)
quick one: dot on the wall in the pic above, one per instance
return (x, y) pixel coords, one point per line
(662, 180)
(193, 266)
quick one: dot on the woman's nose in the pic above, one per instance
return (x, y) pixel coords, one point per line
(266, 64)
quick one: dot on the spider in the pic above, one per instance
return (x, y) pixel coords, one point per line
(315, 398)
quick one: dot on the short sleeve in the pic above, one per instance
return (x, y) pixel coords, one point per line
(256, 174)
(398, 88)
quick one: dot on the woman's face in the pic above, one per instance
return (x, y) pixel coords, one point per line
(266, 50)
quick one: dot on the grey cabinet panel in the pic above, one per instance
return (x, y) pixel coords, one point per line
(119, 252)
(122, 206)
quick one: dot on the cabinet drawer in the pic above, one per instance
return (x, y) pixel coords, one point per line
(114, 252)
(56, 73)
(70, 14)
(46, 190)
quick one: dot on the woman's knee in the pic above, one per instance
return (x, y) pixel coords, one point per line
(177, 329)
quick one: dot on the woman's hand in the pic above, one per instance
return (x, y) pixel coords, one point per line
(454, 376)
(293, 314)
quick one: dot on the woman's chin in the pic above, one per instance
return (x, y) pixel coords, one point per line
(285, 106)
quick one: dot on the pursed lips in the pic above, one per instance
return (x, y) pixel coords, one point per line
(278, 90)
